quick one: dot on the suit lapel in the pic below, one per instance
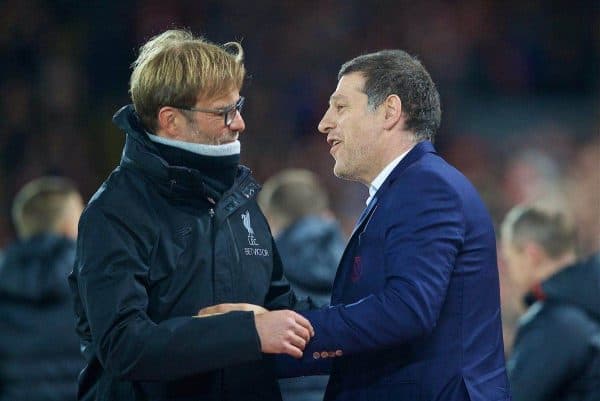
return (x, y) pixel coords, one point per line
(346, 261)
(364, 215)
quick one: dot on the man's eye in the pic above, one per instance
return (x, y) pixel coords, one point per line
(339, 107)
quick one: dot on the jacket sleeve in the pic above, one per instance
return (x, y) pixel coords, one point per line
(112, 279)
(422, 236)
(548, 352)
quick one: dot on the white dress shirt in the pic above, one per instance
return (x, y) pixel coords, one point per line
(383, 175)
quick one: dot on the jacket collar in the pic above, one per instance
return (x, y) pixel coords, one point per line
(141, 154)
(416, 153)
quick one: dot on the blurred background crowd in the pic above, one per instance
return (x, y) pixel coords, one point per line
(519, 82)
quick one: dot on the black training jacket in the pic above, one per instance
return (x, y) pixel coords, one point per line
(153, 249)
(39, 350)
(556, 356)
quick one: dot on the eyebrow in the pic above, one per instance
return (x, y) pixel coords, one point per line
(337, 97)
(227, 106)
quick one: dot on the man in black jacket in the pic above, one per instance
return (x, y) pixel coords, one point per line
(39, 350)
(556, 355)
(175, 229)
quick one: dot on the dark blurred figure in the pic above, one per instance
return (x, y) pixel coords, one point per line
(39, 350)
(556, 355)
(310, 243)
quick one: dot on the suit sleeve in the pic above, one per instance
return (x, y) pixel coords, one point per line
(112, 274)
(424, 230)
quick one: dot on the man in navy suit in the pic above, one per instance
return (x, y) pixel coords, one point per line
(415, 309)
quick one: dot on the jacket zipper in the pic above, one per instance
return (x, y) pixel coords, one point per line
(211, 214)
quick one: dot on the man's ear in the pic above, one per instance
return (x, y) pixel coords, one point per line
(393, 111)
(535, 253)
(168, 122)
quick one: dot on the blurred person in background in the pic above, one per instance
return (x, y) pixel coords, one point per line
(310, 243)
(39, 349)
(556, 354)
(415, 310)
(174, 229)
(583, 192)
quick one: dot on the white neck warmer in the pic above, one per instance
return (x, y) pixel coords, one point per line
(227, 149)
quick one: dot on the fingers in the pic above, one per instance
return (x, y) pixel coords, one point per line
(256, 309)
(297, 341)
(215, 309)
(280, 332)
(229, 307)
(283, 332)
(292, 351)
(300, 331)
(302, 321)
(209, 311)
(299, 325)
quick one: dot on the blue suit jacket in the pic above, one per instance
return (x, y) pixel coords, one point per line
(415, 306)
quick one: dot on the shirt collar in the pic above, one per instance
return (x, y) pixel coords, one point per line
(381, 177)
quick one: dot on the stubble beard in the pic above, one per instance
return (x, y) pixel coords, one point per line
(342, 171)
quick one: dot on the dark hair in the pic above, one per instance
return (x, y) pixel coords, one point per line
(390, 72)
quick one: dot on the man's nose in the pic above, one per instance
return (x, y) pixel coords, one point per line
(326, 123)
(238, 124)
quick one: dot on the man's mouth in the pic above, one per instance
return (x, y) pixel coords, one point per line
(232, 138)
(334, 143)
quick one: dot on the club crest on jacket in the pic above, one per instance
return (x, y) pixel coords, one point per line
(246, 220)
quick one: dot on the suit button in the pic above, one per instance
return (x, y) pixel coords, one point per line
(339, 352)
(316, 355)
(331, 354)
(324, 354)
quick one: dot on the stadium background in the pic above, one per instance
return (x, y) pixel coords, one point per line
(519, 82)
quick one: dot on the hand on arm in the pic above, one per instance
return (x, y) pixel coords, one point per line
(112, 283)
(224, 308)
(280, 332)
(283, 332)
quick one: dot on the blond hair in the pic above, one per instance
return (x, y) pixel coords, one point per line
(176, 68)
(293, 194)
(40, 205)
(549, 229)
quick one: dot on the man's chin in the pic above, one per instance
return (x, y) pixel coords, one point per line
(346, 175)
(340, 173)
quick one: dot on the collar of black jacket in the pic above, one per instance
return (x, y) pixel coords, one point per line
(576, 285)
(142, 154)
(217, 172)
